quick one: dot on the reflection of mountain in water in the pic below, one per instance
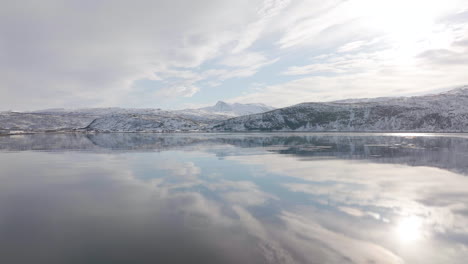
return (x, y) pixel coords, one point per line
(434, 151)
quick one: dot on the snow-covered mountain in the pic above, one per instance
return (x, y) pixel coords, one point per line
(98, 111)
(144, 123)
(236, 109)
(222, 110)
(14, 122)
(444, 112)
(123, 119)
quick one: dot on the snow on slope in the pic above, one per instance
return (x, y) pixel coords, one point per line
(143, 123)
(236, 109)
(14, 122)
(444, 112)
(168, 121)
(223, 110)
(122, 119)
(98, 111)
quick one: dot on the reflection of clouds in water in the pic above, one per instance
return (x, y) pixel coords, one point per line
(401, 189)
(306, 235)
(278, 245)
(360, 213)
(271, 247)
(382, 192)
(352, 212)
(186, 170)
(242, 193)
(101, 193)
(298, 240)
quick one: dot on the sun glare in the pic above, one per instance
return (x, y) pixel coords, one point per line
(402, 20)
(409, 27)
(391, 15)
(409, 229)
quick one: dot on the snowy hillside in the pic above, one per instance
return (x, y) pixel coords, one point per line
(122, 119)
(143, 123)
(98, 111)
(236, 109)
(444, 112)
(222, 111)
(14, 122)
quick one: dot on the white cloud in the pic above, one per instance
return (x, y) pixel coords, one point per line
(384, 66)
(84, 53)
(386, 81)
(244, 60)
(351, 46)
(268, 11)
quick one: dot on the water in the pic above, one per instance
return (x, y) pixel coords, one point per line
(234, 198)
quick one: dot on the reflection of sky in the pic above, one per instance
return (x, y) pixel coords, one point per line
(246, 205)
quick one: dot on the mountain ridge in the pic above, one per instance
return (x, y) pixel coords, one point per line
(441, 112)
(116, 119)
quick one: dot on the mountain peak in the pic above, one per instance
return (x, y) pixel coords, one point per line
(221, 103)
(236, 109)
(222, 106)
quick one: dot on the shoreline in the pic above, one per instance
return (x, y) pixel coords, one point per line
(416, 133)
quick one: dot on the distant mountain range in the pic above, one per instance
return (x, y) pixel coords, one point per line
(236, 109)
(124, 119)
(443, 112)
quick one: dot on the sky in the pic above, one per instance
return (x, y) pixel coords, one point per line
(176, 54)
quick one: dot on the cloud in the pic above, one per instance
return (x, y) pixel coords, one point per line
(185, 89)
(269, 10)
(351, 46)
(377, 67)
(323, 26)
(87, 53)
(83, 53)
(444, 56)
(244, 60)
(357, 49)
(456, 54)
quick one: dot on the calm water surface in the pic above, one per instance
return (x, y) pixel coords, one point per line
(234, 198)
